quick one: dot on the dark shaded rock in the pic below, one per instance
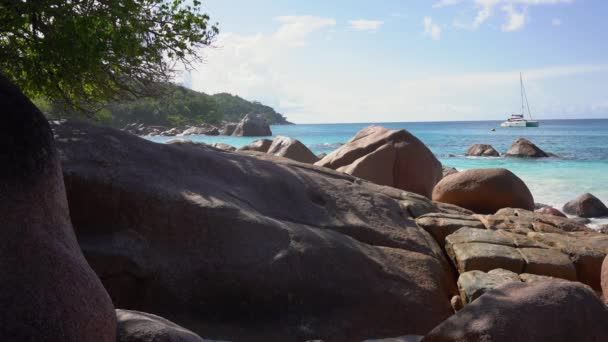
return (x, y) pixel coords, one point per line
(252, 125)
(586, 205)
(482, 150)
(387, 157)
(260, 145)
(540, 311)
(484, 191)
(523, 148)
(134, 326)
(293, 149)
(48, 291)
(263, 245)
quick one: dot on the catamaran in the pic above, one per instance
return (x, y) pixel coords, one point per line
(518, 120)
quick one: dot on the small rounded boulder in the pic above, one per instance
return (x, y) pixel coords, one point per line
(484, 191)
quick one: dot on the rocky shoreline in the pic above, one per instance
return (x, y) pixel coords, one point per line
(272, 243)
(250, 126)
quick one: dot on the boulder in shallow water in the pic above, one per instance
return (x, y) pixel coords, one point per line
(524, 148)
(557, 311)
(302, 251)
(252, 125)
(293, 149)
(135, 326)
(260, 145)
(484, 191)
(48, 291)
(482, 150)
(388, 157)
(586, 205)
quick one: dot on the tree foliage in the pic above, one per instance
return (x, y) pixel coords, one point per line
(83, 53)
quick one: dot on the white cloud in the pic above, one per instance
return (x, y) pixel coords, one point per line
(431, 29)
(485, 9)
(294, 29)
(365, 25)
(556, 22)
(515, 20)
(444, 3)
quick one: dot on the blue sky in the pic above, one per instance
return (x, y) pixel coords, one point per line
(410, 60)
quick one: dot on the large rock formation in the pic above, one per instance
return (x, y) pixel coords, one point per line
(250, 248)
(48, 292)
(540, 311)
(134, 326)
(586, 205)
(252, 125)
(293, 149)
(482, 150)
(524, 148)
(484, 191)
(387, 157)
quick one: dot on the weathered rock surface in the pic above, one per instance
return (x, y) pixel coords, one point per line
(540, 311)
(524, 221)
(293, 149)
(224, 147)
(524, 148)
(473, 284)
(387, 157)
(192, 232)
(260, 145)
(48, 291)
(485, 257)
(440, 225)
(204, 130)
(482, 150)
(229, 129)
(587, 251)
(134, 326)
(448, 170)
(548, 262)
(586, 205)
(252, 125)
(550, 211)
(484, 191)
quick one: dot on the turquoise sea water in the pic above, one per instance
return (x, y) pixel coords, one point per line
(581, 144)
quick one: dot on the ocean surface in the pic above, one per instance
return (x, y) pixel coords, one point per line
(581, 144)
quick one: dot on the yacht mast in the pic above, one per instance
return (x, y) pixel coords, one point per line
(525, 96)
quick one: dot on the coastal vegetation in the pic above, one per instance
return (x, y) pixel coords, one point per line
(83, 54)
(175, 106)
